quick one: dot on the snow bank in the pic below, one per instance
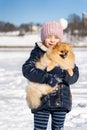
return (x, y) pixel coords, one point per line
(27, 40)
(30, 39)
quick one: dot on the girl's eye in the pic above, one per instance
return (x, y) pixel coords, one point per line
(56, 37)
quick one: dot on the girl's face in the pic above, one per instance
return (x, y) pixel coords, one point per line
(51, 40)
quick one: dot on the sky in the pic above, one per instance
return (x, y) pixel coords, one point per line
(39, 11)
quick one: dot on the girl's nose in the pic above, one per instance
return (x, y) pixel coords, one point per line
(52, 39)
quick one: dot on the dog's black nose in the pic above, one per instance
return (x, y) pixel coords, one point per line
(66, 52)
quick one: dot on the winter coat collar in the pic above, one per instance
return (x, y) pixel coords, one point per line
(42, 46)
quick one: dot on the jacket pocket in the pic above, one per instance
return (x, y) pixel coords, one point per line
(54, 99)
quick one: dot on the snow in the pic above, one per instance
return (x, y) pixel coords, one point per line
(26, 40)
(14, 112)
(11, 39)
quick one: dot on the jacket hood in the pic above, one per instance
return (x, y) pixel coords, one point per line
(42, 46)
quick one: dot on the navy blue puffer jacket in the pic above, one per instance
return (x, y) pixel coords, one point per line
(59, 98)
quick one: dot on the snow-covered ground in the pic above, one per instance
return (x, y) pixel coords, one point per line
(7, 40)
(27, 40)
(14, 112)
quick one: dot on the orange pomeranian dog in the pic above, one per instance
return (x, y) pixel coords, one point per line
(60, 55)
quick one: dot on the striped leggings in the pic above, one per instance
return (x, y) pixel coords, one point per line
(41, 120)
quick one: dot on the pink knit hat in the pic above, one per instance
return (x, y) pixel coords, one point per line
(52, 28)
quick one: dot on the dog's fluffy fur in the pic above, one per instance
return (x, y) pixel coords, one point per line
(60, 55)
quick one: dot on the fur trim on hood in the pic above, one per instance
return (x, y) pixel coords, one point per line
(42, 46)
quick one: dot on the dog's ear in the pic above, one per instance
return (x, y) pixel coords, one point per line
(57, 45)
(69, 44)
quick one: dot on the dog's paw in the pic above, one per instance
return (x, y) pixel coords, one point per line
(70, 71)
(50, 66)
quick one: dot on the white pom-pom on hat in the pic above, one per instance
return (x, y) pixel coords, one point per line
(64, 23)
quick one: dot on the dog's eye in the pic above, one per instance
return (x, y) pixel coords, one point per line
(62, 51)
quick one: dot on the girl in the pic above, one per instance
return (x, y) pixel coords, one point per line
(58, 103)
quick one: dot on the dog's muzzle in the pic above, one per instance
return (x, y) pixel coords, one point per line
(64, 54)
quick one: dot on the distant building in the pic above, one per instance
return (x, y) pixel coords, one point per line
(84, 18)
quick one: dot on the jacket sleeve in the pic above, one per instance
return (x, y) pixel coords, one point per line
(71, 79)
(30, 71)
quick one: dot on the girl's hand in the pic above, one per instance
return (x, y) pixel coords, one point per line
(52, 81)
(57, 72)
